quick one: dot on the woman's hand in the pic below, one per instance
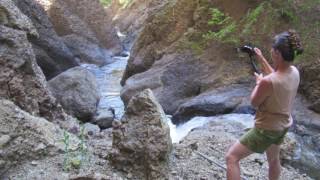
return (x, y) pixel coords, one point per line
(258, 52)
(259, 77)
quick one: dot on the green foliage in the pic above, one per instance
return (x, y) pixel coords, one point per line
(218, 17)
(74, 159)
(106, 2)
(252, 17)
(125, 3)
(226, 26)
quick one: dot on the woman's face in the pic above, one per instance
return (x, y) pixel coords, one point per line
(275, 57)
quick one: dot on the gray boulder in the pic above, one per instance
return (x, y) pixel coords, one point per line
(104, 118)
(220, 101)
(76, 90)
(52, 55)
(141, 141)
(87, 51)
(24, 137)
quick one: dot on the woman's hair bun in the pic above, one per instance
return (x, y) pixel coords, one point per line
(295, 42)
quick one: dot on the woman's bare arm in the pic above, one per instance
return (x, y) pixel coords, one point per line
(261, 91)
(266, 68)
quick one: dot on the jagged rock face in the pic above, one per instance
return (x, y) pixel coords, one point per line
(85, 18)
(53, 56)
(21, 79)
(142, 142)
(76, 90)
(25, 137)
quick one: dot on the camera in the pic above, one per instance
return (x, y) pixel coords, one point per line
(248, 49)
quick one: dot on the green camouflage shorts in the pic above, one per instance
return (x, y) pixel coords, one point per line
(258, 140)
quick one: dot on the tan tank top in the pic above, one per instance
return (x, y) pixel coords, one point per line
(275, 112)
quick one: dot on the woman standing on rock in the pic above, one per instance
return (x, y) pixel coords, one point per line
(273, 96)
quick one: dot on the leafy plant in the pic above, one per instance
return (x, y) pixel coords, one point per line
(74, 159)
(106, 2)
(225, 24)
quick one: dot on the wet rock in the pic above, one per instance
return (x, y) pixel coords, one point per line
(31, 138)
(104, 118)
(141, 143)
(211, 103)
(76, 90)
(52, 55)
(87, 51)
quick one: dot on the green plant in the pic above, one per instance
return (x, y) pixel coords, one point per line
(106, 2)
(125, 3)
(252, 17)
(74, 159)
(226, 26)
(66, 160)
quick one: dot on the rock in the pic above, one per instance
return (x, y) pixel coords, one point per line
(141, 144)
(11, 16)
(85, 18)
(163, 58)
(76, 90)
(289, 148)
(53, 56)
(21, 79)
(213, 140)
(87, 51)
(304, 116)
(104, 118)
(221, 101)
(91, 129)
(4, 139)
(310, 81)
(32, 138)
(93, 176)
(92, 12)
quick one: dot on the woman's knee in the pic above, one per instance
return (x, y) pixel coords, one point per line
(231, 158)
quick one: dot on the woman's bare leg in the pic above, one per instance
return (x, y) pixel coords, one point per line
(274, 162)
(235, 153)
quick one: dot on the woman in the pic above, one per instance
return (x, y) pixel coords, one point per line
(273, 96)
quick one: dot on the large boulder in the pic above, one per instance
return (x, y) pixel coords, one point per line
(141, 141)
(220, 101)
(21, 79)
(76, 90)
(87, 51)
(24, 137)
(52, 55)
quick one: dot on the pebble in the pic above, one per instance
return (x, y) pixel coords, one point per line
(4, 140)
(34, 163)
